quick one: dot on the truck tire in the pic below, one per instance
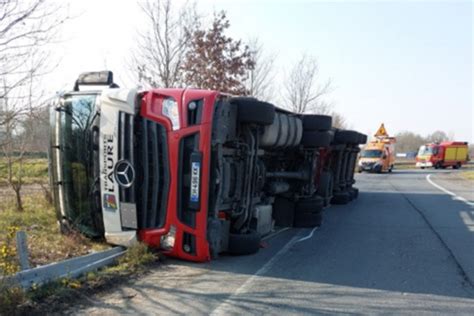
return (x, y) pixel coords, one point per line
(314, 204)
(312, 122)
(253, 111)
(356, 190)
(244, 244)
(308, 219)
(346, 137)
(353, 193)
(309, 212)
(283, 212)
(316, 138)
(340, 198)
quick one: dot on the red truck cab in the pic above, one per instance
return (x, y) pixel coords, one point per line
(183, 233)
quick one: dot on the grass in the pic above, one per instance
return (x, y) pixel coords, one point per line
(34, 171)
(469, 175)
(56, 296)
(46, 243)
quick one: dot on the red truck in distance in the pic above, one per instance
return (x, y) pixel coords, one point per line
(443, 155)
(192, 172)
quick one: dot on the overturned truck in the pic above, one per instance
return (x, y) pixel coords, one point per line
(192, 172)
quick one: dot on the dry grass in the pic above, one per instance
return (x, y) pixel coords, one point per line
(469, 175)
(33, 171)
(57, 296)
(46, 244)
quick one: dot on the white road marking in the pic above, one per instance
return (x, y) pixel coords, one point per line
(455, 197)
(468, 219)
(225, 308)
(309, 236)
(275, 233)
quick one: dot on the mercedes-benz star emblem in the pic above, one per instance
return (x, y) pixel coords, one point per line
(124, 173)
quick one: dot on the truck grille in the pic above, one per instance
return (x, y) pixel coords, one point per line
(152, 173)
(125, 151)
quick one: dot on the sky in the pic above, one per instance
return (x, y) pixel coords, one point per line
(404, 63)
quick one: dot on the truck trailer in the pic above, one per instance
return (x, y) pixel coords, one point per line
(192, 172)
(443, 155)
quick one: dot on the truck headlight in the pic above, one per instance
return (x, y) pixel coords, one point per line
(167, 241)
(171, 111)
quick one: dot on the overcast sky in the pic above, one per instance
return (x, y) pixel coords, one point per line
(407, 64)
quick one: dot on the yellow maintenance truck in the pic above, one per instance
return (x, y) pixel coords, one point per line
(379, 154)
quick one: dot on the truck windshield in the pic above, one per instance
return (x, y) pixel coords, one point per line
(78, 140)
(371, 154)
(425, 151)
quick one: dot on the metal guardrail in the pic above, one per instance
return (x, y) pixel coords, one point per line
(70, 268)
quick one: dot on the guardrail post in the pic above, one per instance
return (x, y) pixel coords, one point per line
(22, 250)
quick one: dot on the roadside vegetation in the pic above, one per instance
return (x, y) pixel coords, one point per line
(34, 171)
(46, 245)
(55, 296)
(468, 175)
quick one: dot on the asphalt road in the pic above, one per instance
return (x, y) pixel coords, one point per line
(405, 246)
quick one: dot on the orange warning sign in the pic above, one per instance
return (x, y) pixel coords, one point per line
(381, 132)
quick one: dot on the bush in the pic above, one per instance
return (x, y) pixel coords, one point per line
(136, 257)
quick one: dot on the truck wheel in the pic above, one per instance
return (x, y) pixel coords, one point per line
(362, 138)
(283, 212)
(308, 219)
(312, 205)
(340, 198)
(316, 138)
(244, 244)
(253, 111)
(346, 137)
(353, 193)
(356, 193)
(313, 122)
(309, 212)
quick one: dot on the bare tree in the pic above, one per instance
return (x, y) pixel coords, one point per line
(409, 141)
(338, 120)
(161, 48)
(303, 91)
(27, 27)
(437, 137)
(260, 82)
